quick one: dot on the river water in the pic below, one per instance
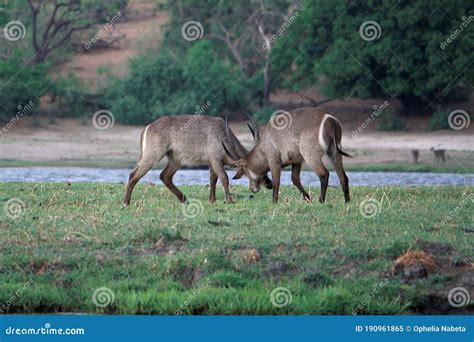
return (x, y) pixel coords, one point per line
(201, 177)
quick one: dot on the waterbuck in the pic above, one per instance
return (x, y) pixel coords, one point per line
(291, 138)
(187, 140)
(439, 155)
(415, 154)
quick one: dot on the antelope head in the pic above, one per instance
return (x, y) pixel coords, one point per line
(245, 163)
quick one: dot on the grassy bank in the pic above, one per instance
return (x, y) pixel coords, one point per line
(158, 256)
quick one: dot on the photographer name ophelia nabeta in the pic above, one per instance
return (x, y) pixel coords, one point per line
(436, 328)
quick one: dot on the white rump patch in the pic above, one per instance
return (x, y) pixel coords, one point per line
(322, 143)
(144, 140)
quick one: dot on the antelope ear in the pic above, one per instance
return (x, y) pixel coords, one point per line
(239, 173)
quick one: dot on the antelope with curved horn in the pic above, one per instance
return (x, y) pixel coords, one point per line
(307, 134)
(187, 140)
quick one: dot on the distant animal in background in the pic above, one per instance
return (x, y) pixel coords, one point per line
(439, 155)
(415, 154)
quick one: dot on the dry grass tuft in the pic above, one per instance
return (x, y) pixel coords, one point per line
(414, 264)
(251, 256)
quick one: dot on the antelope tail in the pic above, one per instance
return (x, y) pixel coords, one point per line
(338, 149)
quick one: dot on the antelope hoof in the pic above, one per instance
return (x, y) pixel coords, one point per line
(307, 198)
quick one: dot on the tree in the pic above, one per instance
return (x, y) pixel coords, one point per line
(404, 58)
(240, 30)
(54, 22)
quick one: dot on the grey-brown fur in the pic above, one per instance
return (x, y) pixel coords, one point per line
(187, 140)
(293, 145)
(439, 155)
(415, 154)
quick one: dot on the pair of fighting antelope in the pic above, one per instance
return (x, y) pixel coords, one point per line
(189, 140)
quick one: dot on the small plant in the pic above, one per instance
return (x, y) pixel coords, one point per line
(35, 121)
(318, 279)
(73, 99)
(439, 120)
(390, 121)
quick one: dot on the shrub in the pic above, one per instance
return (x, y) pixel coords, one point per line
(20, 85)
(388, 120)
(162, 85)
(439, 120)
(73, 98)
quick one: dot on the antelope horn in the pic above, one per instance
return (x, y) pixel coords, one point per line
(253, 126)
(229, 145)
(229, 153)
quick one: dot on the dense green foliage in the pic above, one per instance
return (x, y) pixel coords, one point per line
(388, 120)
(439, 120)
(413, 54)
(25, 66)
(407, 61)
(263, 115)
(73, 239)
(187, 73)
(164, 85)
(19, 85)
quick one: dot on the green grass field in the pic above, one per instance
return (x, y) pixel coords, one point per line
(160, 257)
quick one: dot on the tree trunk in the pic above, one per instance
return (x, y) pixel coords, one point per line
(40, 56)
(266, 82)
